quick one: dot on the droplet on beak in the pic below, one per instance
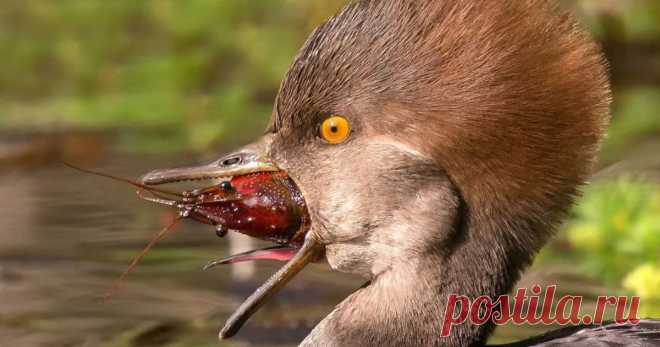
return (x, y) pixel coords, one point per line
(221, 230)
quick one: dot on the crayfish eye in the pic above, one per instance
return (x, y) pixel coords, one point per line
(226, 186)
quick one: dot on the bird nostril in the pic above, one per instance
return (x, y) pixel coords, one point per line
(231, 161)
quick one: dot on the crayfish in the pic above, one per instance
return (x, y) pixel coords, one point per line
(264, 205)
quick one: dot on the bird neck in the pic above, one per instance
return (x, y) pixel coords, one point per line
(407, 304)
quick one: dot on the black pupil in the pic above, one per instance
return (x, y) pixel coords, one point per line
(334, 128)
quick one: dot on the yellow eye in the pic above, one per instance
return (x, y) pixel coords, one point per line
(335, 129)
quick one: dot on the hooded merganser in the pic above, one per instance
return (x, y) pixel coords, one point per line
(437, 144)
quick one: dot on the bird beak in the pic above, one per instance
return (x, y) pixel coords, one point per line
(297, 246)
(247, 160)
(311, 251)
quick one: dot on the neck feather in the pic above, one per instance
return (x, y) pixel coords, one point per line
(406, 305)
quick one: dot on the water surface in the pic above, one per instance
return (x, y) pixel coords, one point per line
(66, 236)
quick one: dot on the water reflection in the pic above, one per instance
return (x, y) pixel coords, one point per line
(67, 236)
(239, 243)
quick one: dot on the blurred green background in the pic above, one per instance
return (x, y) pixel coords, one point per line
(168, 79)
(204, 70)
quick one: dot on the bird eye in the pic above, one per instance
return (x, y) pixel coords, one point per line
(335, 129)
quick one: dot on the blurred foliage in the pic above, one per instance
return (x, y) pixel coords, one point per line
(204, 71)
(629, 31)
(628, 20)
(637, 116)
(645, 282)
(208, 68)
(195, 72)
(616, 236)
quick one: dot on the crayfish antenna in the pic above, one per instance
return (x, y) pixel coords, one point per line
(136, 260)
(150, 189)
(157, 199)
